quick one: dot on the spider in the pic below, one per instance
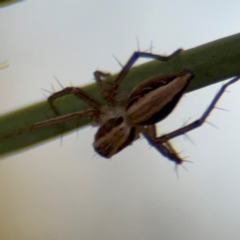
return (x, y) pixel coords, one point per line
(122, 121)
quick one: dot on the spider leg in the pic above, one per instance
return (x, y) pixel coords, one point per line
(202, 119)
(99, 76)
(52, 121)
(77, 92)
(135, 56)
(164, 147)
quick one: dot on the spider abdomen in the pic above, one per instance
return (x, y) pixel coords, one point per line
(154, 99)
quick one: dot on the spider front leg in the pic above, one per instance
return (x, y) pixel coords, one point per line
(52, 121)
(111, 92)
(77, 92)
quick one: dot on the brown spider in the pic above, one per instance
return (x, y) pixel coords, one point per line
(122, 121)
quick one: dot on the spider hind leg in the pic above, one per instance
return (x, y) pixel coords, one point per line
(164, 147)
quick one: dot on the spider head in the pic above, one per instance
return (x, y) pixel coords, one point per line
(114, 135)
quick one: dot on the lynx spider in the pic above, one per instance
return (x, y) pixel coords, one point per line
(121, 122)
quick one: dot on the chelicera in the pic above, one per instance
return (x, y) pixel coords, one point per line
(122, 121)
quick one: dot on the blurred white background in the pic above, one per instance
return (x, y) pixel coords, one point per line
(59, 192)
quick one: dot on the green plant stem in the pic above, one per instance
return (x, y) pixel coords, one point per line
(211, 63)
(5, 3)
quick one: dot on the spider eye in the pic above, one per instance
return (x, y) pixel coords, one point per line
(118, 121)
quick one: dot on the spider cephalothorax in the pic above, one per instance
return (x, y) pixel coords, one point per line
(122, 122)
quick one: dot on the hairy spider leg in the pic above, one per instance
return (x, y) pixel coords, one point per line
(165, 148)
(77, 92)
(56, 120)
(162, 143)
(99, 76)
(202, 119)
(110, 93)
